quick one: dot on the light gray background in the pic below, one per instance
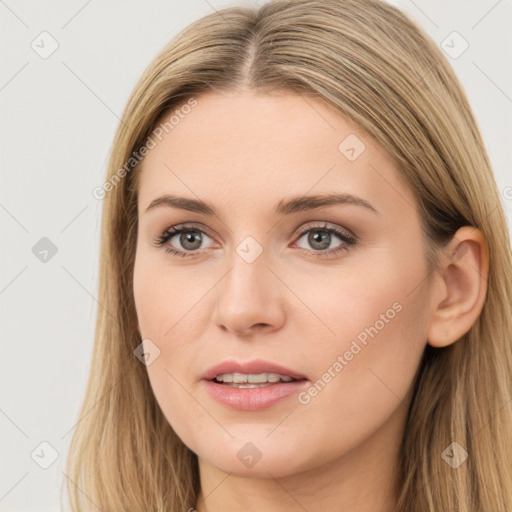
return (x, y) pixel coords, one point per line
(58, 119)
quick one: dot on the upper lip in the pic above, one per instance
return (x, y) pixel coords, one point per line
(254, 366)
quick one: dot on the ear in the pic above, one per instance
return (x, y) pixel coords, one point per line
(460, 287)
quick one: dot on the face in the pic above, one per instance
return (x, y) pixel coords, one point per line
(328, 293)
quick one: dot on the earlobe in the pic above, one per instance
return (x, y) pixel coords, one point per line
(459, 293)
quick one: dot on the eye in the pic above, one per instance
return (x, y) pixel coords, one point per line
(189, 237)
(321, 237)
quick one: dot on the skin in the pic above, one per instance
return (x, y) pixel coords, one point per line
(243, 153)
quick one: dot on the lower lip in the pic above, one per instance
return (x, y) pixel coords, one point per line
(253, 399)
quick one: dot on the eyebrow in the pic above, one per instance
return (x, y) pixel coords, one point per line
(284, 207)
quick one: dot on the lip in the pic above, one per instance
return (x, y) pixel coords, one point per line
(254, 366)
(252, 399)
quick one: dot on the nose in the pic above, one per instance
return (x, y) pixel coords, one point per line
(249, 298)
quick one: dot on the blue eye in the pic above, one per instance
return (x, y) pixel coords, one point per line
(320, 238)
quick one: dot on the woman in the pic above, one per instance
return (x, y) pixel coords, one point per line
(305, 286)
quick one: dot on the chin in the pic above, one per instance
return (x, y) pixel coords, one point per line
(256, 459)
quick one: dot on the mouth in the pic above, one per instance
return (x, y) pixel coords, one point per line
(256, 371)
(252, 385)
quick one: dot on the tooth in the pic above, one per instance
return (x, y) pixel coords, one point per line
(285, 378)
(272, 377)
(239, 378)
(256, 378)
(227, 377)
(219, 378)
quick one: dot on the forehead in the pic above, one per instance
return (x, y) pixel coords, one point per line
(246, 148)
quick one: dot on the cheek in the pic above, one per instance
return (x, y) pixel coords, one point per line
(164, 296)
(146, 293)
(365, 368)
(170, 313)
(360, 385)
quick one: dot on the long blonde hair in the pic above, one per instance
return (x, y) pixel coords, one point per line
(384, 73)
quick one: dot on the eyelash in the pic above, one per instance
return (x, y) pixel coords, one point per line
(348, 240)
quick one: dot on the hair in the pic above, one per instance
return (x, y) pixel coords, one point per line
(384, 73)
